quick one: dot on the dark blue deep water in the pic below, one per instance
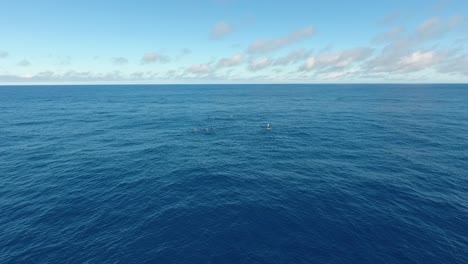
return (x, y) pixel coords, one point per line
(128, 174)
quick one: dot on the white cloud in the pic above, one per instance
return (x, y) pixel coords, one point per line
(292, 57)
(410, 52)
(259, 64)
(232, 61)
(221, 29)
(340, 59)
(268, 45)
(309, 64)
(405, 54)
(119, 61)
(3, 54)
(332, 75)
(212, 67)
(406, 62)
(65, 77)
(419, 60)
(199, 68)
(152, 57)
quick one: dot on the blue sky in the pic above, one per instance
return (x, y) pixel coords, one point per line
(233, 41)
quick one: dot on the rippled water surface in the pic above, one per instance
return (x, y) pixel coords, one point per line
(189, 174)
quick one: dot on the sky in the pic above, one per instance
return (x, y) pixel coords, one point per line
(233, 41)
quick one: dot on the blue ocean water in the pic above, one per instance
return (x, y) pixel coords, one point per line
(189, 174)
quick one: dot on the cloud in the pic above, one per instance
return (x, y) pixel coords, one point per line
(232, 61)
(212, 67)
(455, 65)
(390, 35)
(221, 29)
(268, 45)
(332, 75)
(185, 51)
(119, 61)
(336, 60)
(66, 77)
(153, 57)
(140, 75)
(182, 53)
(418, 60)
(407, 62)
(170, 76)
(457, 21)
(3, 54)
(199, 68)
(429, 29)
(24, 63)
(389, 18)
(259, 64)
(292, 57)
(309, 64)
(65, 61)
(84, 77)
(435, 28)
(410, 52)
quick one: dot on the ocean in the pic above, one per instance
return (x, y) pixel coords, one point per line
(347, 173)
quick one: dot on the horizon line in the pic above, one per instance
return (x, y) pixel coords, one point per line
(275, 83)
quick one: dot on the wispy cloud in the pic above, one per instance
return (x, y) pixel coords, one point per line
(406, 62)
(24, 63)
(309, 64)
(3, 54)
(391, 17)
(332, 75)
(419, 60)
(199, 69)
(119, 61)
(430, 47)
(65, 61)
(292, 57)
(268, 45)
(409, 52)
(389, 35)
(336, 60)
(429, 29)
(65, 77)
(454, 65)
(152, 57)
(185, 51)
(232, 61)
(221, 29)
(433, 29)
(259, 64)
